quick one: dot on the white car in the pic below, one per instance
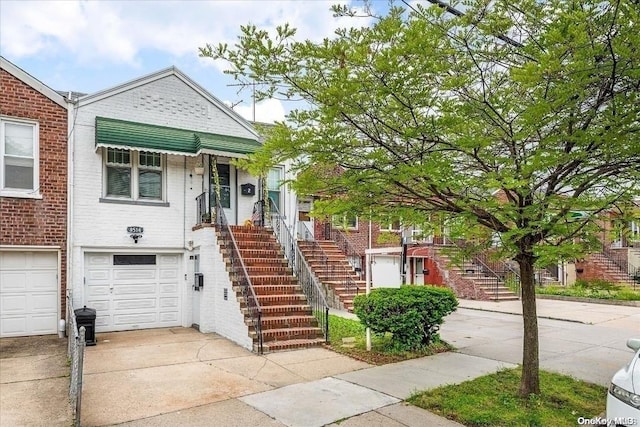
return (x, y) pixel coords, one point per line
(623, 398)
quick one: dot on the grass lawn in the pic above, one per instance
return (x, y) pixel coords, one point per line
(381, 350)
(492, 400)
(594, 288)
(574, 291)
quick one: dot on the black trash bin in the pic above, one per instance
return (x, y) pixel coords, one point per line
(87, 317)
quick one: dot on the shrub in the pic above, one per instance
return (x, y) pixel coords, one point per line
(412, 314)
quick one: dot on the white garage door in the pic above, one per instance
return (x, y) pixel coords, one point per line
(28, 293)
(133, 291)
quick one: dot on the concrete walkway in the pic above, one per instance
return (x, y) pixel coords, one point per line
(178, 376)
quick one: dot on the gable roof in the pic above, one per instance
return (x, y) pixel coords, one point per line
(170, 71)
(32, 82)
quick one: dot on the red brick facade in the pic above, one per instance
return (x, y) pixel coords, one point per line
(358, 237)
(38, 222)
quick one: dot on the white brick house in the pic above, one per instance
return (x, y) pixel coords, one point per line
(137, 152)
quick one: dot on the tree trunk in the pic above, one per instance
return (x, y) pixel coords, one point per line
(530, 380)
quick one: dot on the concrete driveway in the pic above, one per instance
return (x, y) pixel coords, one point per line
(135, 376)
(34, 382)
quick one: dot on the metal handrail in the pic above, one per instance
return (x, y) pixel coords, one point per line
(238, 268)
(622, 264)
(308, 281)
(317, 252)
(486, 270)
(354, 258)
(203, 213)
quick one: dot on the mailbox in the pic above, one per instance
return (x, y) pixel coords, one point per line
(248, 189)
(198, 283)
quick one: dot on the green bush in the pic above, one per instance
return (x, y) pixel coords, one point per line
(412, 314)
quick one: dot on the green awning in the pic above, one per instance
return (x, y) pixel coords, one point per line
(140, 136)
(225, 143)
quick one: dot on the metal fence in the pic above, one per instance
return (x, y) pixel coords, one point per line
(75, 352)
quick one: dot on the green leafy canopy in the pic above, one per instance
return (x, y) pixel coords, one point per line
(508, 117)
(425, 112)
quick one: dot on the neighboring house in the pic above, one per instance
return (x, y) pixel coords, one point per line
(145, 158)
(33, 204)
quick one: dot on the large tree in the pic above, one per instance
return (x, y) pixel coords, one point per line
(428, 112)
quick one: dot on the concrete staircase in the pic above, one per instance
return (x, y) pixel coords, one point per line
(331, 267)
(287, 319)
(476, 276)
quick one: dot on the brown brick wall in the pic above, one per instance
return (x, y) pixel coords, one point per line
(43, 221)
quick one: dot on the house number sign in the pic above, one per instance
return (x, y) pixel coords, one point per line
(135, 229)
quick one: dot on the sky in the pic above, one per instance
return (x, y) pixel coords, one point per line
(91, 45)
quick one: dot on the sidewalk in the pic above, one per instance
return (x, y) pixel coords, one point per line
(611, 315)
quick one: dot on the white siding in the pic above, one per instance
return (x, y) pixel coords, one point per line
(217, 314)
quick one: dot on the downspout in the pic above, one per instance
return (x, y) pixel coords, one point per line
(71, 108)
(236, 196)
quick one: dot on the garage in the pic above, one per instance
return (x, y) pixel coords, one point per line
(133, 291)
(28, 293)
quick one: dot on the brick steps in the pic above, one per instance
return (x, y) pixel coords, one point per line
(287, 319)
(610, 272)
(332, 269)
(491, 286)
(282, 345)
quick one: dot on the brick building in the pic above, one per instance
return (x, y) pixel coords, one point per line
(33, 204)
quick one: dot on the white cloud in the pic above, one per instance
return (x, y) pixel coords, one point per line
(267, 111)
(117, 31)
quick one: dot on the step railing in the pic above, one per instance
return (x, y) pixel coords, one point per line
(353, 257)
(341, 239)
(327, 269)
(308, 281)
(240, 275)
(619, 261)
(481, 268)
(203, 211)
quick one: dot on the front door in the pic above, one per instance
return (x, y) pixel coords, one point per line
(419, 271)
(227, 177)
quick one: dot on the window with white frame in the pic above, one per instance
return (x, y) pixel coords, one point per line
(19, 158)
(135, 175)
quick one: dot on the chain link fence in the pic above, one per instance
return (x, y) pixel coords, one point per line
(75, 353)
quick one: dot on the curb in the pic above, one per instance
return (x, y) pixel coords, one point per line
(520, 314)
(590, 300)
